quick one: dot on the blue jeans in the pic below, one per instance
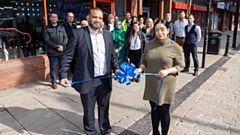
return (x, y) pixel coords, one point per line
(52, 64)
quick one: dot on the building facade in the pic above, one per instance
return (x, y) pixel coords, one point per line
(22, 51)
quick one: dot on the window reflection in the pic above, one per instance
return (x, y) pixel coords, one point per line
(20, 29)
(22, 21)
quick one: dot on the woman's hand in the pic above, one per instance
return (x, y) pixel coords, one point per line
(138, 70)
(116, 50)
(162, 73)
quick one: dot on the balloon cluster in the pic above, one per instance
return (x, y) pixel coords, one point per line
(126, 72)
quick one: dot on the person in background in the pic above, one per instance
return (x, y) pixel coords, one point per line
(119, 39)
(135, 46)
(103, 26)
(68, 24)
(56, 39)
(141, 22)
(170, 25)
(149, 29)
(133, 20)
(110, 23)
(155, 20)
(84, 23)
(95, 58)
(116, 18)
(193, 37)
(179, 26)
(27, 27)
(78, 23)
(127, 21)
(164, 57)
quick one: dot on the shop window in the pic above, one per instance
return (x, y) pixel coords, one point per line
(120, 8)
(80, 8)
(21, 23)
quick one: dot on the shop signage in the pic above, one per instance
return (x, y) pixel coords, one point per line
(78, 8)
(222, 5)
(73, 6)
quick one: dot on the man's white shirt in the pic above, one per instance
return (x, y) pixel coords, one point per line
(179, 27)
(98, 46)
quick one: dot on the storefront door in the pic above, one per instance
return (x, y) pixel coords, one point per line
(106, 5)
(106, 8)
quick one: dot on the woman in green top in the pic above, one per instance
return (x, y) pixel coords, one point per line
(164, 57)
(119, 38)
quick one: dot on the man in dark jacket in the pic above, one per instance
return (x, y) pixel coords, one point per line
(170, 25)
(95, 59)
(55, 37)
(68, 25)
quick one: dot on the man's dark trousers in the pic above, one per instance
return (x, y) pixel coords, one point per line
(190, 48)
(101, 94)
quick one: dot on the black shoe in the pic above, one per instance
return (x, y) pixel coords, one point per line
(137, 80)
(195, 73)
(185, 70)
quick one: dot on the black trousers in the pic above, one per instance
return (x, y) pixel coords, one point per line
(99, 93)
(135, 57)
(190, 48)
(161, 114)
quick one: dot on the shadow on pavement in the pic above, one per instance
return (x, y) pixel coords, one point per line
(41, 120)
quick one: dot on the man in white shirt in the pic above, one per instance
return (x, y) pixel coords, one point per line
(110, 23)
(193, 36)
(179, 28)
(95, 61)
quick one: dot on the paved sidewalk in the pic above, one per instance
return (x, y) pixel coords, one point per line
(37, 109)
(214, 108)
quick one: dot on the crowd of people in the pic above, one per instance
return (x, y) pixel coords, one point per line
(155, 46)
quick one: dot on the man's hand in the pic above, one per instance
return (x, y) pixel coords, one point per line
(117, 70)
(64, 82)
(60, 48)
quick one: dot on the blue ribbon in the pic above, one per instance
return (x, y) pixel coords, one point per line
(73, 83)
(126, 72)
(158, 95)
(123, 77)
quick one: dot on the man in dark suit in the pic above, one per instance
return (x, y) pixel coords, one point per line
(193, 37)
(95, 58)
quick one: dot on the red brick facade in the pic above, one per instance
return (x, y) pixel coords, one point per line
(22, 71)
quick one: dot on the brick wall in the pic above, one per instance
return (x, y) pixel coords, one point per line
(22, 71)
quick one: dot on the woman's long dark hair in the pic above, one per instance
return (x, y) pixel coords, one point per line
(132, 32)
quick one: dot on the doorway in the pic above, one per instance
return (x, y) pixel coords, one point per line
(106, 8)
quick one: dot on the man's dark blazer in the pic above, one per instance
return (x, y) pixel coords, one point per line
(80, 44)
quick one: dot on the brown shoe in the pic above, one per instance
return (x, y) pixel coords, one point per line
(2, 109)
(54, 86)
(110, 133)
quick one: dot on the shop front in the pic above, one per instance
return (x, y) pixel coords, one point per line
(22, 50)
(222, 19)
(232, 12)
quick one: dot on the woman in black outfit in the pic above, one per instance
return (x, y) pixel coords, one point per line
(135, 46)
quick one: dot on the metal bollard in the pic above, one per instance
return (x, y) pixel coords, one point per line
(227, 45)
